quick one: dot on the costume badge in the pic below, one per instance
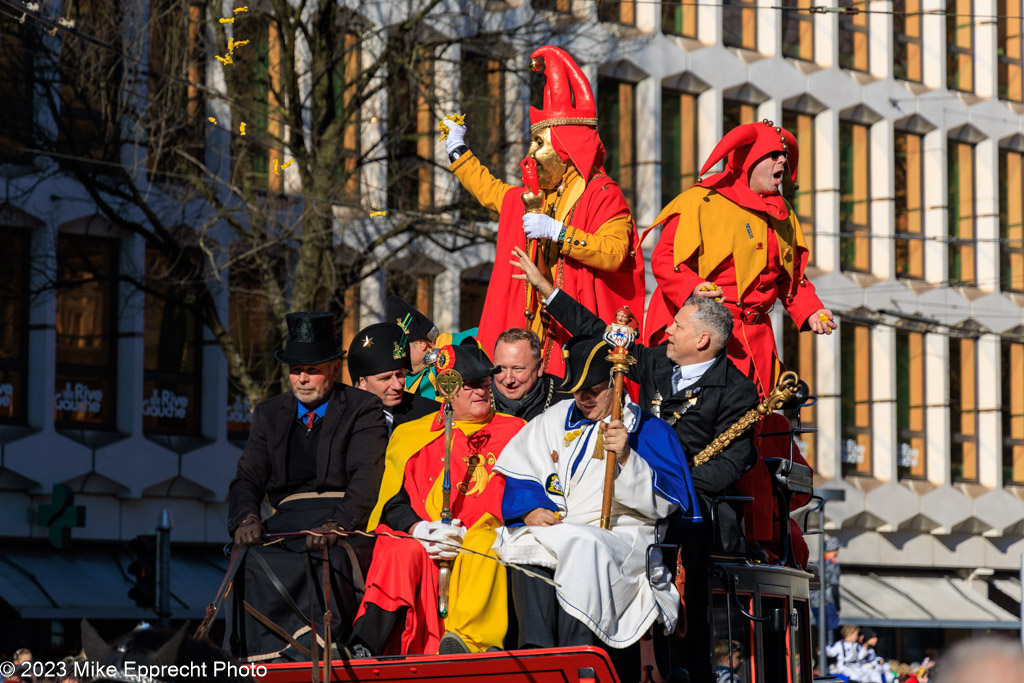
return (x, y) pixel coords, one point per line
(571, 436)
(367, 341)
(554, 485)
(554, 456)
(399, 351)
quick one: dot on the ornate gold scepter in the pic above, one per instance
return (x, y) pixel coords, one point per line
(619, 336)
(783, 391)
(533, 202)
(449, 382)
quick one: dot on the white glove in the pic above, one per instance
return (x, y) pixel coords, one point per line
(441, 541)
(456, 136)
(541, 226)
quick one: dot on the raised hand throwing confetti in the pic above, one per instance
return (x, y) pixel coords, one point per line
(457, 118)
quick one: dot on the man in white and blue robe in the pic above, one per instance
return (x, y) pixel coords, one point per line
(552, 510)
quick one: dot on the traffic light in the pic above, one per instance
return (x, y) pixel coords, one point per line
(143, 568)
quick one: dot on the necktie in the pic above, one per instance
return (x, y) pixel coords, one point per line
(308, 419)
(677, 377)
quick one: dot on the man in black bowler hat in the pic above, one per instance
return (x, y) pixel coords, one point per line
(317, 454)
(422, 333)
(378, 361)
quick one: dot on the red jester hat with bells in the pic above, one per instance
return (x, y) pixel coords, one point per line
(746, 145)
(573, 125)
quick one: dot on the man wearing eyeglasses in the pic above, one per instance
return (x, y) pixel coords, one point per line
(399, 612)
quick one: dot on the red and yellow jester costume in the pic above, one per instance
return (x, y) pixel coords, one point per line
(748, 244)
(596, 259)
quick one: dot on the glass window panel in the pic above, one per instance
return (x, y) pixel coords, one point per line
(798, 355)
(960, 45)
(739, 24)
(411, 132)
(617, 11)
(14, 289)
(17, 80)
(963, 408)
(86, 331)
(910, 405)
(802, 195)
(798, 30)
(679, 163)
(250, 329)
(906, 29)
(617, 128)
(1011, 220)
(961, 212)
(678, 17)
(1008, 50)
(909, 167)
(853, 36)
(1012, 356)
(483, 102)
(855, 398)
(854, 200)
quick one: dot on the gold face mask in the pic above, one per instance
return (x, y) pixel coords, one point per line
(550, 167)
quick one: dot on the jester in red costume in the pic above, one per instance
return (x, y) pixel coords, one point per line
(577, 229)
(733, 235)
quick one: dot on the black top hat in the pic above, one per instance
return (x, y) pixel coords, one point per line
(467, 359)
(381, 347)
(310, 339)
(412, 322)
(586, 363)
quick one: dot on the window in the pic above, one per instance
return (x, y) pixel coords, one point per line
(960, 158)
(906, 38)
(798, 30)
(798, 356)
(412, 278)
(801, 195)
(483, 102)
(855, 398)
(679, 161)
(563, 6)
(679, 17)
(739, 24)
(14, 291)
(909, 167)
(91, 78)
(86, 332)
(1010, 54)
(1012, 352)
(472, 292)
(736, 113)
(854, 198)
(172, 340)
(411, 133)
(1011, 220)
(910, 405)
(853, 36)
(17, 81)
(618, 11)
(256, 339)
(963, 408)
(343, 121)
(960, 45)
(251, 87)
(617, 127)
(176, 81)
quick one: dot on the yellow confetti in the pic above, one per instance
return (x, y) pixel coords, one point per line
(378, 214)
(211, 120)
(444, 130)
(276, 171)
(225, 60)
(457, 118)
(227, 20)
(232, 44)
(239, 10)
(287, 164)
(241, 128)
(822, 317)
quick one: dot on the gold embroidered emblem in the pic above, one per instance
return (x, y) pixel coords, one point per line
(367, 341)
(477, 475)
(399, 351)
(571, 436)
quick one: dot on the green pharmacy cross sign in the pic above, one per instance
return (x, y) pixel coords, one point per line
(60, 515)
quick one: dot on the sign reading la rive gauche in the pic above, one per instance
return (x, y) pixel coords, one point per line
(79, 398)
(165, 403)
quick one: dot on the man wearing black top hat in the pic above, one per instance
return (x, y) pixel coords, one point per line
(378, 362)
(422, 333)
(317, 454)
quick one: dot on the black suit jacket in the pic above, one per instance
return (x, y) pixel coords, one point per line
(412, 407)
(722, 395)
(349, 456)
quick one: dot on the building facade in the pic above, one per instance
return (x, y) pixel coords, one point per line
(910, 190)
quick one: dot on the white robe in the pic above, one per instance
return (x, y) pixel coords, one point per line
(601, 573)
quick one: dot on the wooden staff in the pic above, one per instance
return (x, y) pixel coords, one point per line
(783, 391)
(449, 382)
(619, 336)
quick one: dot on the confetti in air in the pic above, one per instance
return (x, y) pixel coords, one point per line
(211, 120)
(239, 10)
(276, 170)
(232, 44)
(241, 128)
(378, 214)
(225, 60)
(227, 20)
(287, 164)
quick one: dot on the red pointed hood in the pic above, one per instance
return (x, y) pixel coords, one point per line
(746, 145)
(569, 110)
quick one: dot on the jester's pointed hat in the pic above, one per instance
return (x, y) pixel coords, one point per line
(746, 145)
(569, 109)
